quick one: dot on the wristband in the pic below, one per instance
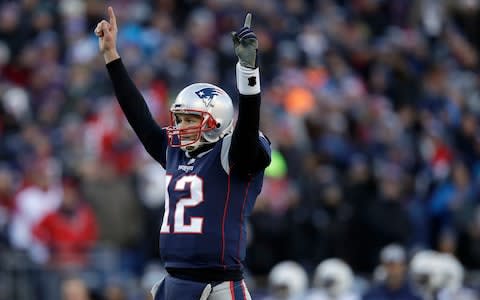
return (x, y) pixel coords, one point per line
(248, 80)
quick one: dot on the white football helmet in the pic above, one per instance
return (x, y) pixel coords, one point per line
(452, 271)
(452, 280)
(333, 276)
(425, 271)
(288, 280)
(215, 108)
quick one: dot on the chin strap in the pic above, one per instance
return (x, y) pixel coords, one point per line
(190, 148)
(198, 150)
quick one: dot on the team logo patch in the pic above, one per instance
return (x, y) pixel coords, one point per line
(207, 94)
(185, 168)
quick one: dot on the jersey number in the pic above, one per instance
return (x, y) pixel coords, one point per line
(196, 197)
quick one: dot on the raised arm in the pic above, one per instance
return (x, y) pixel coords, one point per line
(152, 136)
(249, 151)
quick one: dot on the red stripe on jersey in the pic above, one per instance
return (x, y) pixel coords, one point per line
(244, 290)
(241, 216)
(227, 200)
(232, 290)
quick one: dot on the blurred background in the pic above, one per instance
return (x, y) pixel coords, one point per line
(372, 107)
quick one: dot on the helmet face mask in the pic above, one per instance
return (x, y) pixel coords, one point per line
(214, 108)
(189, 136)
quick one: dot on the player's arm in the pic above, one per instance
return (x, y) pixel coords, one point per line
(152, 136)
(249, 151)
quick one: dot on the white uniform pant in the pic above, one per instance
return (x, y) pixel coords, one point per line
(171, 288)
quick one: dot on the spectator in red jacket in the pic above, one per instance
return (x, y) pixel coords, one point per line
(70, 231)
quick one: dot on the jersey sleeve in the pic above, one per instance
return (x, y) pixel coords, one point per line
(249, 150)
(151, 135)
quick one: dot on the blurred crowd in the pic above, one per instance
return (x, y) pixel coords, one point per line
(428, 275)
(372, 107)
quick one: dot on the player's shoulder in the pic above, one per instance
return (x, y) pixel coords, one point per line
(226, 141)
(264, 140)
(263, 136)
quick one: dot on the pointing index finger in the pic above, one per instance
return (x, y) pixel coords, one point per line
(248, 20)
(113, 19)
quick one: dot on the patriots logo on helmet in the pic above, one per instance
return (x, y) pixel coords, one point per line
(207, 94)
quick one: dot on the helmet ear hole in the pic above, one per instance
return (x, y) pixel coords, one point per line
(211, 123)
(218, 125)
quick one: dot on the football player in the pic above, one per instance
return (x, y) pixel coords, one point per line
(333, 280)
(425, 272)
(287, 280)
(452, 274)
(214, 170)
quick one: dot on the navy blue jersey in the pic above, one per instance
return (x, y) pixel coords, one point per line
(210, 195)
(204, 225)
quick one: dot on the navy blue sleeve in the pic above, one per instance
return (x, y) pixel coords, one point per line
(152, 136)
(249, 153)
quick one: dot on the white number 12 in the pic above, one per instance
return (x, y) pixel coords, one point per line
(196, 197)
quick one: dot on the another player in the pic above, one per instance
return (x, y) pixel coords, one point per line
(333, 279)
(287, 280)
(214, 171)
